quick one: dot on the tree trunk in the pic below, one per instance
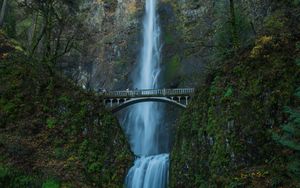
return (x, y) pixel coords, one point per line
(235, 39)
(3, 12)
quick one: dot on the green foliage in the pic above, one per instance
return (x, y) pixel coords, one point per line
(10, 19)
(294, 167)
(53, 127)
(4, 172)
(172, 68)
(223, 37)
(297, 62)
(95, 167)
(236, 184)
(10, 177)
(64, 99)
(275, 22)
(224, 138)
(24, 181)
(83, 148)
(51, 122)
(47, 30)
(23, 26)
(298, 45)
(291, 139)
(59, 153)
(229, 92)
(169, 39)
(50, 184)
(7, 107)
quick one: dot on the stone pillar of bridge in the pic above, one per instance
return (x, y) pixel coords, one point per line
(111, 102)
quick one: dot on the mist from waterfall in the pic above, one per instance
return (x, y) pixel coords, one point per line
(144, 122)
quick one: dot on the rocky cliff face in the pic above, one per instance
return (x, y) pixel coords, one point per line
(224, 139)
(191, 34)
(186, 25)
(113, 46)
(189, 37)
(118, 43)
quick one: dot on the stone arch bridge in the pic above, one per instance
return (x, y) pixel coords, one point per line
(117, 100)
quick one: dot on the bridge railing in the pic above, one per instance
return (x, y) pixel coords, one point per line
(148, 93)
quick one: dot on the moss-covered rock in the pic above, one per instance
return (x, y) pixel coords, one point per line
(224, 139)
(53, 133)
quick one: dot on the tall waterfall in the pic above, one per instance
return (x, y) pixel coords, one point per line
(143, 122)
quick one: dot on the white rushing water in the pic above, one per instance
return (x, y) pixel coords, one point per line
(143, 123)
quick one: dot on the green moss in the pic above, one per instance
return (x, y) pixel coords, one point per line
(51, 122)
(172, 68)
(275, 21)
(169, 39)
(55, 129)
(50, 184)
(8, 106)
(228, 92)
(4, 172)
(223, 138)
(297, 61)
(11, 177)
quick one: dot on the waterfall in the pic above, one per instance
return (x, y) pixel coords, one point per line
(143, 122)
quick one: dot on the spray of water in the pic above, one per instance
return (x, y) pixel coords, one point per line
(143, 121)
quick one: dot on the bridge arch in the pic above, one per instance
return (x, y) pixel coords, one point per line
(146, 99)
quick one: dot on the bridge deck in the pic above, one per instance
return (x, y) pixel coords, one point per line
(148, 93)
